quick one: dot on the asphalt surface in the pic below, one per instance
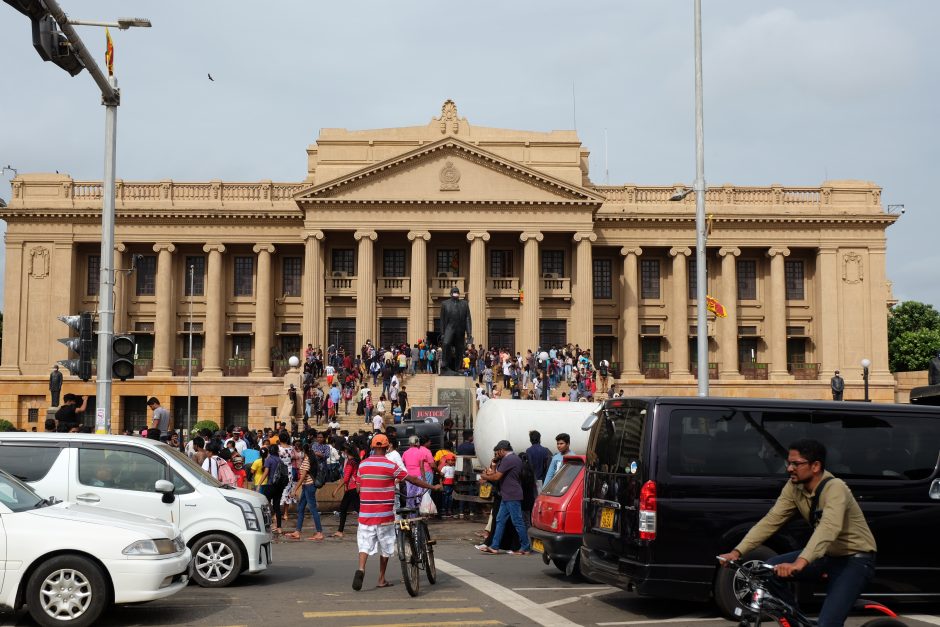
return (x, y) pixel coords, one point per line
(310, 584)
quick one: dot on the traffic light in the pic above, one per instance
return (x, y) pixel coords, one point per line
(122, 357)
(48, 40)
(83, 345)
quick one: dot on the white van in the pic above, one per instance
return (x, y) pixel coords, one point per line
(228, 529)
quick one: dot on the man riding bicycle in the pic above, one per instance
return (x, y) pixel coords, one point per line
(841, 546)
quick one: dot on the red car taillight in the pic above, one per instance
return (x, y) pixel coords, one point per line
(558, 520)
(648, 511)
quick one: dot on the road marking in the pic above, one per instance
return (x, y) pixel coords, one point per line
(932, 620)
(663, 621)
(507, 597)
(568, 600)
(567, 588)
(453, 623)
(378, 612)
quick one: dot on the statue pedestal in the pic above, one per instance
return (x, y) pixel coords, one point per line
(458, 393)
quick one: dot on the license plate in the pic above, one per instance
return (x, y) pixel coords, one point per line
(607, 518)
(537, 546)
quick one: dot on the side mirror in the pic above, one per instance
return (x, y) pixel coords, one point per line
(166, 488)
(589, 422)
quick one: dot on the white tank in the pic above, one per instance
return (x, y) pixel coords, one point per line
(505, 419)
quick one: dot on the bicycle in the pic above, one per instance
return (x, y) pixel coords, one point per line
(764, 600)
(415, 549)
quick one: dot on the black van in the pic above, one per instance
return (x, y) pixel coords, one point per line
(673, 482)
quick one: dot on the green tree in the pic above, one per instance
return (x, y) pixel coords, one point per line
(913, 336)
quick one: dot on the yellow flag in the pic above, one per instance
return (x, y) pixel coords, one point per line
(109, 52)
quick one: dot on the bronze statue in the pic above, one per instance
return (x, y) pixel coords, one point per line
(455, 324)
(933, 371)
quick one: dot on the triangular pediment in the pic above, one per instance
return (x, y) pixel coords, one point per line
(449, 171)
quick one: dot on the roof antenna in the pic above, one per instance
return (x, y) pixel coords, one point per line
(606, 161)
(574, 107)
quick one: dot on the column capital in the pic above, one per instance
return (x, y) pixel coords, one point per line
(372, 235)
(120, 247)
(626, 251)
(413, 235)
(675, 251)
(314, 234)
(210, 248)
(582, 235)
(482, 235)
(259, 248)
(780, 250)
(729, 250)
(161, 246)
(526, 236)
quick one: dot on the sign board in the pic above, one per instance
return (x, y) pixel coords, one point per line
(100, 420)
(437, 412)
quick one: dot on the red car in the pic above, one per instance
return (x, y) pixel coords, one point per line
(556, 517)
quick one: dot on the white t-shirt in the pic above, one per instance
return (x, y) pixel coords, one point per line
(447, 472)
(378, 422)
(330, 371)
(395, 456)
(240, 445)
(211, 466)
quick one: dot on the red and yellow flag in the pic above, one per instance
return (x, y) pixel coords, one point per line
(712, 305)
(109, 52)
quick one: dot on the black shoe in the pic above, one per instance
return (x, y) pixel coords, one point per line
(357, 579)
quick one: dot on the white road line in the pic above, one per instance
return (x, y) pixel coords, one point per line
(567, 588)
(568, 600)
(507, 597)
(681, 619)
(932, 620)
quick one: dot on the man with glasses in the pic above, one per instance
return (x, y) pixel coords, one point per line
(841, 546)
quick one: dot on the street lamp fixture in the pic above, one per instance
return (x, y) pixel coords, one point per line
(11, 169)
(866, 363)
(896, 209)
(680, 195)
(122, 23)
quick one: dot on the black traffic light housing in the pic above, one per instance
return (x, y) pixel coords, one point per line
(48, 40)
(83, 345)
(122, 357)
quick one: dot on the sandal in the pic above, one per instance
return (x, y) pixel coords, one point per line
(293, 535)
(316, 538)
(490, 551)
(337, 534)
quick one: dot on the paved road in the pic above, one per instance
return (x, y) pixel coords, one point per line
(310, 585)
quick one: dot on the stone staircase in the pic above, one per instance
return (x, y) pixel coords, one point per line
(420, 388)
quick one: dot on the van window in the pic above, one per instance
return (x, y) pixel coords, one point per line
(616, 441)
(30, 462)
(119, 469)
(562, 479)
(714, 441)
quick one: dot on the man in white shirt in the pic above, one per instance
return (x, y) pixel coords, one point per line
(378, 423)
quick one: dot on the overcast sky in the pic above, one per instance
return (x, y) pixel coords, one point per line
(796, 91)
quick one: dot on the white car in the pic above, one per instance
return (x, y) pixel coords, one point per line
(228, 529)
(68, 562)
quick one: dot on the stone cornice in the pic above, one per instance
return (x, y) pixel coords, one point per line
(719, 222)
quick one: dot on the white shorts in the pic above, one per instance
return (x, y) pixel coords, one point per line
(373, 538)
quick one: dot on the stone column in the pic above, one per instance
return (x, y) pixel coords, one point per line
(582, 293)
(476, 292)
(120, 290)
(630, 313)
(264, 313)
(878, 293)
(12, 295)
(164, 331)
(365, 290)
(728, 327)
(529, 319)
(777, 336)
(679, 314)
(418, 314)
(314, 304)
(215, 313)
(827, 322)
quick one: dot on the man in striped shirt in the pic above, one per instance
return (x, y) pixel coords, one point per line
(377, 478)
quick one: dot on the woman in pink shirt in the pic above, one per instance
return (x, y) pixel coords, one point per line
(419, 462)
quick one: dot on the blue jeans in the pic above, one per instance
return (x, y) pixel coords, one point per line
(848, 576)
(308, 500)
(447, 500)
(513, 510)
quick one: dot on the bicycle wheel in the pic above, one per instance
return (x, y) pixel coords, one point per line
(427, 552)
(409, 561)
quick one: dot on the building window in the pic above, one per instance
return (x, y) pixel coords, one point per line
(552, 333)
(147, 275)
(292, 271)
(448, 263)
(241, 347)
(501, 264)
(747, 279)
(553, 263)
(94, 275)
(393, 262)
(603, 279)
(649, 279)
(793, 271)
(344, 261)
(197, 285)
(244, 271)
(693, 278)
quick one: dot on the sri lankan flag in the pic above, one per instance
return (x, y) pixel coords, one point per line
(109, 52)
(712, 305)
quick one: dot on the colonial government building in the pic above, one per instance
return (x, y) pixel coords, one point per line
(387, 221)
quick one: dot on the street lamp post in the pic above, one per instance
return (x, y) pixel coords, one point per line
(866, 363)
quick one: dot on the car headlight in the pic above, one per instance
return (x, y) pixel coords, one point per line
(161, 546)
(251, 519)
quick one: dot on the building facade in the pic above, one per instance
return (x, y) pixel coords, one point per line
(387, 221)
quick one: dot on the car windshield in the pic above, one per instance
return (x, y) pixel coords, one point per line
(17, 495)
(193, 467)
(563, 479)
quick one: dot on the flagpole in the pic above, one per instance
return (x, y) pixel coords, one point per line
(701, 273)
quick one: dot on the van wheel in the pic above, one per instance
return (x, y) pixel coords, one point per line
(67, 590)
(729, 588)
(217, 560)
